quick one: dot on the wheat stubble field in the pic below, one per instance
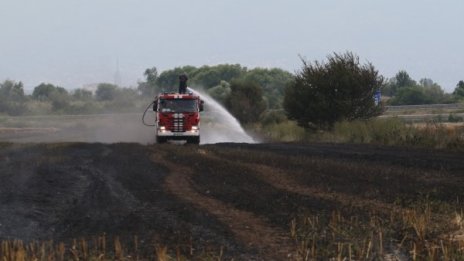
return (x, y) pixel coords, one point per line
(281, 201)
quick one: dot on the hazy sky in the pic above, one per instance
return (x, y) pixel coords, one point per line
(76, 42)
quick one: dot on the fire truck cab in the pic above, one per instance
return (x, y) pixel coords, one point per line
(177, 117)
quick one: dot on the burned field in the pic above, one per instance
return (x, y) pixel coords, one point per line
(242, 201)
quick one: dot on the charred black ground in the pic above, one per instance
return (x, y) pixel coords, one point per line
(210, 196)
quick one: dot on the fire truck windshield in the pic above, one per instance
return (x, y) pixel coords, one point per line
(178, 105)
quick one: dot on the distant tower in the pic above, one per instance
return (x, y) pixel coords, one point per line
(117, 75)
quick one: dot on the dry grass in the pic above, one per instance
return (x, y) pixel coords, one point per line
(411, 234)
(407, 235)
(96, 249)
(388, 131)
(431, 133)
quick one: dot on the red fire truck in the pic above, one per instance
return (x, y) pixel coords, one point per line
(177, 117)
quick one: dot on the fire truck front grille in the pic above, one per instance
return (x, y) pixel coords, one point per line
(177, 123)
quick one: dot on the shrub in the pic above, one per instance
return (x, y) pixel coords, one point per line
(325, 93)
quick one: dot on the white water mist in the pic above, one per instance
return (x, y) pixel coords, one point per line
(218, 125)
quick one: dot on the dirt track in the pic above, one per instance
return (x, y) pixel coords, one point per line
(238, 196)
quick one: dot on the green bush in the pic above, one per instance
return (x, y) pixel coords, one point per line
(324, 93)
(246, 101)
(454, 118)
(282, 131)
(273, 117)
(383, 131)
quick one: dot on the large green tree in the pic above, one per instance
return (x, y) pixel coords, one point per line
(273, 81)
(246, 101)
(106, 92)
(58, 96)
(168, 81)
(326, 92)
(412, 95)
(459, 90)
(220, 92)
(12, 97)
(211, 76)
(426, 92)
(82, 95)
(12, 90)
(43, 91)
(434, 91)
(400, 81)
(149, 87)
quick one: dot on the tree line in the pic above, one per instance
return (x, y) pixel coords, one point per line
(403, 90)
(343, 89)
(220, 81)
(47, 98)
(238, 88)
(318, 95)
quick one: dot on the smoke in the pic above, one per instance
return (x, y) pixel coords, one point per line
(105, 128)
(217, 125)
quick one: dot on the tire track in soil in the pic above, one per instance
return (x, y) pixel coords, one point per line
(271, 243)
(279, 179)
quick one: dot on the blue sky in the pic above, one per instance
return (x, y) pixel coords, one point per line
(76, 42)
